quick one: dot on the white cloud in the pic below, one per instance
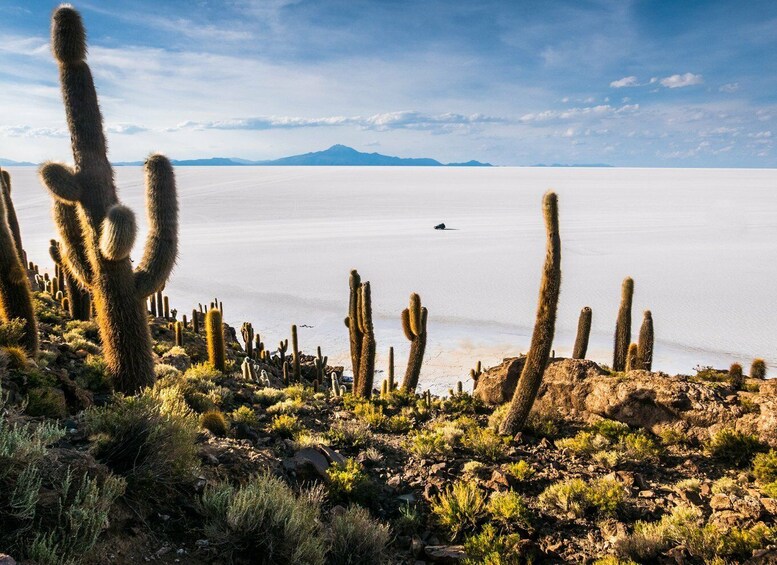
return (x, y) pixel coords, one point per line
(29, 131)
(729, 87)
(681, 81)
(126, 129)
(625, 82)
(602, 110)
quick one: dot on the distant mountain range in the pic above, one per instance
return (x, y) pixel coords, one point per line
(337, 155)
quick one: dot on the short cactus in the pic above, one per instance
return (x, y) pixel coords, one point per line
(97, 232)
(475, 373)
(414, 326)
(166, 303)
(391, 369)
(195, 321)
(160, 304)
(249, 370)
(735, 376)
(215, 422)
(623, 326)
(583, 334)
(758, 369)
(645, 353)
(283, 346)
(544, 326)
(15, 296)
(320, 365)
(632, 358)
(214, 330)
(179, 334)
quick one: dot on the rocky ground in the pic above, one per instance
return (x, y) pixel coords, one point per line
(613, 468)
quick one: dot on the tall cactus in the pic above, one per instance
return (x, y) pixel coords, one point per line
(15, 296)
(10, 215)
(391, 369)
(97, 231)
(295, 354)
(363, 386)
(414, 326)
(583, 333)
(214, 331)
(352, 323)
(544, 327)
(247, 331)
(645, 351)
(623, 326)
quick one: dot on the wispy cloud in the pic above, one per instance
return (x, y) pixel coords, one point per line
(681, 81)
(625, 82)
(729, 87)
(600, 111)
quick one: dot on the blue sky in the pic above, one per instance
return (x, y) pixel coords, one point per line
(629, 83)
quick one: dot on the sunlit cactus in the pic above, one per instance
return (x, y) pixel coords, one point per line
(475, 373)
(295, 354)
(214, 331)
(583, 334)
(10, 216)
(623, 326)
(79, 304)
(179, 334)
(414, 326)
(544, 326)
(363, 385)
(735, 376)
(352, 323)
(97, 232)
(645, 352)
(758, 369)
(632, 358)
(320, 365)
(15, 294)
(247, 332)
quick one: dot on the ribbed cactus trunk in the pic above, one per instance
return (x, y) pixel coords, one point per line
(391, 369)
(352, 323)
(632, 358)
(363, 385)
(15, 295)
(214, 332)
(414, 326)
(645, 352)
(544, 327)
(583, 334)
(295, 354)
(10, 216)
(623, 326)
(97, 232)
(247, 331)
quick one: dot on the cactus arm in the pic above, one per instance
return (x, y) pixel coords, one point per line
(13, 222)
(61, 182)
(118, 233)
(162, 242)
(74, 257)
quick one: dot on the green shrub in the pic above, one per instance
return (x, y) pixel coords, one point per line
(349, 433)
(141, 440)
(245, 415)
(16, 357)
(347, 481)
(508, 508)
(728, 486)
(409, 520)
(398, 424)
(521, 470)
(94, 375)
(263, 522)
(610, 443)
(485, 443)
(734, 447)
(46, 401)
(288, 406)
(372, 415)
(215, 423)
(11, 332)
(268, 396)
(285, 425)
(765, 466)
(490, 548)
(461, 506)
(575, 497)
(356, 539)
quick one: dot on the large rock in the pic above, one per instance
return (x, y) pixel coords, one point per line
(580, 389)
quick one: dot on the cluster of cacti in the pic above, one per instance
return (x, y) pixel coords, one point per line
(214, 331)
(338, 389)
(15, 293)
(248, 367)
(426, 397)
(583, 334)
(414, 326)
(544, 327)
(247, 331)
(79, 304)
(97, 232)
(623, 326)
(758, 369)
(362, 335)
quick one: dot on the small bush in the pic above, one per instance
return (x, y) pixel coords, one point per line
(94, 375)
(521, 470)
(288, 406)
(485, 443)
(398, 424)
(490, 548)
(298, 392)
(268, 396)
(245, 415)
(459, 507)
(575, 497)
(347, 481)
(16, 357)
(11, 332)
(409, 519)
(349, 433)
(508, 508)
(734, 447)
(215, 423)
(138, 439)
(263, 522)
(765, 466)
(164, 371)
(671, 436)
(372, 415)
(356, 539)
(728, 486)
(46, 401)
(285, 425)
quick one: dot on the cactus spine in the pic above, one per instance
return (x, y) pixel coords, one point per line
(15, 296)
(96, 227)
(295, 353)
(544, 327)
(632, 358)
(247, 331)
(363, 386)
(214, 330)
(583, 333)
(623, 326)
(352, 323)
(414, 326)
(645, 353)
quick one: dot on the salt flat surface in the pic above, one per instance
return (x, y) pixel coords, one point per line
(276, 246)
